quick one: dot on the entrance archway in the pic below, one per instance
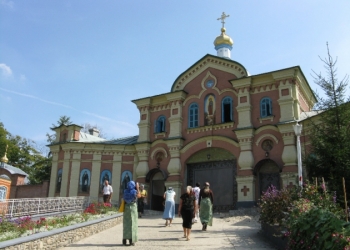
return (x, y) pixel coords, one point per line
(157, 185)
(218, 167)
(156, 177)
(268, 173)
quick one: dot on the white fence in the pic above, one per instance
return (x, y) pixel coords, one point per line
(24, 207)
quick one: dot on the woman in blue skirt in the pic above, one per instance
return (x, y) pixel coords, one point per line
(169, 211)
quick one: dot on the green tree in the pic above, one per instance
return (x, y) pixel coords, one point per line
(23, 154)
(3, 139)
(329, 156)
(41, 170)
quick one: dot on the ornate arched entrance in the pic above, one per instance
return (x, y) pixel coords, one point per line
(267, 173)
(156, 177)
(218, 167)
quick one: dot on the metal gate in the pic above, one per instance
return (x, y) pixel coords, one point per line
(222, 178)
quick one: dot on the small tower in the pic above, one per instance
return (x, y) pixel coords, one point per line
(4, 159)
(223, 43)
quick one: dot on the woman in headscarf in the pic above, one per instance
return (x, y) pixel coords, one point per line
(130, 219)
(205, 203)
(169, 211)
(186, 211)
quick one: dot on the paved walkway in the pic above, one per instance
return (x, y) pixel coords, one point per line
(235, 232)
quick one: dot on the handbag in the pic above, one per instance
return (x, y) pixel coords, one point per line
(122, 206)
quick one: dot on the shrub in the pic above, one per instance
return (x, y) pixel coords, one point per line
(318, 229)
(274, 204)
(311, 217)
(321, 198)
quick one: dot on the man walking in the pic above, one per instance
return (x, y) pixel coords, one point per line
(107, 192)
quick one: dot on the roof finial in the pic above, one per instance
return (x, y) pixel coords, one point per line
(222, 18)
(4, 158)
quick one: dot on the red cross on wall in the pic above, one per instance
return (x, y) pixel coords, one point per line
(290, 185)
(245, 190)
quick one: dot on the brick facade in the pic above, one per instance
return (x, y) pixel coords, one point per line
(259, 146)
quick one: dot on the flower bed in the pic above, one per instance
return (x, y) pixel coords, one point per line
(308, 218)
(53, 232)
(24, 226)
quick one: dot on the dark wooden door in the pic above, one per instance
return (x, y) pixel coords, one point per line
(268, 179)
(157, 195)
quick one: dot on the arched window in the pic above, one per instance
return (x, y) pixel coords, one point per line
(59, 180)
(85, 181)
(193, 115)
(265, 107)
(3, 191)
(160, 125)
(226, 110)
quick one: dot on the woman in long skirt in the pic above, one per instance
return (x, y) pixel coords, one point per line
(169, 211)
(130, 220)
(205, 203)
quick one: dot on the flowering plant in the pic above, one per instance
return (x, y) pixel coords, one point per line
(23, 226)
(318, 229)
(311, 217)
(274, 204)
(99, 208)
(321, 198)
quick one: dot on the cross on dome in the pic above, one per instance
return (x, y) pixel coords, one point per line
(222, 18)
(223, 43)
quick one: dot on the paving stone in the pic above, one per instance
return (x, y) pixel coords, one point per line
(228, 232)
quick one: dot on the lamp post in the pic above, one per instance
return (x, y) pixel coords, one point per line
(297, 130)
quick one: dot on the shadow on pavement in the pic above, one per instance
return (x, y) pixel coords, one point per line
(96, 245)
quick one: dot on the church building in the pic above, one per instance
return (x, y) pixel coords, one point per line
(217, 124)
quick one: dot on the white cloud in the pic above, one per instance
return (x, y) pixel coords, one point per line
(22, 78)
(5, 98)
(123, 125)
(109, 119)
(39, 99)
(8, 4)
(5, 70)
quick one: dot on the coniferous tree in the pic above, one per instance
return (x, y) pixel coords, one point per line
(63, 120)
(329, 154)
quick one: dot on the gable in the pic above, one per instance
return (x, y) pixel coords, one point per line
(208, 61)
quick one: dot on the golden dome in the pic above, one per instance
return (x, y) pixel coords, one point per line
(4, 158)
(223, 39)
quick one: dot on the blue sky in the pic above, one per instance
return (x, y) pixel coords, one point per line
(88, 59)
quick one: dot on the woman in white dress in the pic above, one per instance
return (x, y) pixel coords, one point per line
(169, 211)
